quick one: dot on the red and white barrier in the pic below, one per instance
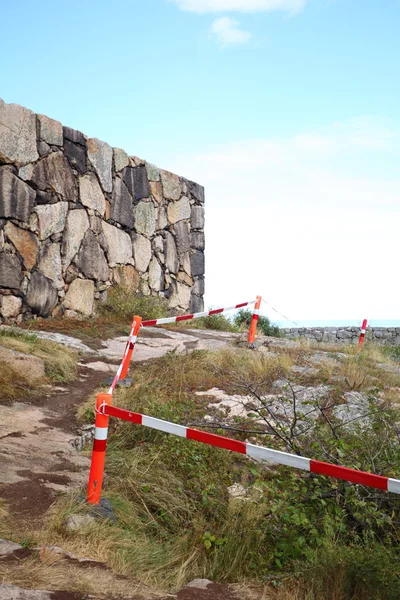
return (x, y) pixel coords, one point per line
(257, 452)
(362, 334)
(253, 325)
(126, 359)
(215, 311)
(99, 450)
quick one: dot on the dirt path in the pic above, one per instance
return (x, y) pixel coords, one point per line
(37, 457)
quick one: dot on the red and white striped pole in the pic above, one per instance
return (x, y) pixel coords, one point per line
(259, 452)
(126, 359)
(99, 449)
(214, 311)
(362, 334)
(254, 321)
(136, 324)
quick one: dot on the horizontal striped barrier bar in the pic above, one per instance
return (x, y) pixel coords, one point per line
(258, 452)
(215, 311)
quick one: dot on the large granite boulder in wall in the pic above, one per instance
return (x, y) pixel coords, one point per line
(135, 179)
(182, 237)
(25, 242)
(91, 194)
(91, 259)
(171, 253)
(141, 252)
(172, 185)
(121, 159)
(145, 220)
(50, 131)
(197, 263)
(77, 225)
(127, 277)
(50, 219)
(16, 197)
(101, 156)
(76, 155)
(80, 296)
(119, 245)
(177, 211)
(18, 142)
(121, 205)
(41, 295)
(54, 174)
(10, 271)
(50, 264)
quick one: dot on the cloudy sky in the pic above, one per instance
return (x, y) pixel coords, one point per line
(288, 111)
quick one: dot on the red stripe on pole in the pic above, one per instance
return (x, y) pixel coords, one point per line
(364, 325)
(375, 481)
(150, 323)
(184, 318)
(216, 440)
(255, 317)
(99, 445)
(216, 311)
(125, 415)
(241, 305)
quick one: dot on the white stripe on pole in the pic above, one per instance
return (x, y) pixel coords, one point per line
(393, 486)
(100, 433)
(164, 426)
(282, 458)
(256, 311)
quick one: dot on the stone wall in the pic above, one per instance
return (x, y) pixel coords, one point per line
(345, 335)
(77, 216)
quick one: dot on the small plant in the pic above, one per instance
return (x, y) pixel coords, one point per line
(244, 317)
(122, 304)
(215, 322)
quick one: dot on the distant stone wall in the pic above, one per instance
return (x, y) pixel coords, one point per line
(345, 335)
(77, 216)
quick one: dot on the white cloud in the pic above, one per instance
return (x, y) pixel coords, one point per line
(228, 33)
(212, 6)
(310, 220)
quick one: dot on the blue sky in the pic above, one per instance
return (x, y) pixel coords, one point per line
(286, 110)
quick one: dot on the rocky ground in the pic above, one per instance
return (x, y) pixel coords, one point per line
(41, 439)
(39, 445)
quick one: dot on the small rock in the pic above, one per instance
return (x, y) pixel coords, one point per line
(7, 547)
(10, 306)
(237, 490)
(201, 584)
(75, 523)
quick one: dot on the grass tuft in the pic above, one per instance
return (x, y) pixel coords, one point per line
(122, 305)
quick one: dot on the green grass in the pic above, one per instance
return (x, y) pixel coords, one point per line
(123, 305)
(59, 362)
(316, 538)
(214, 322)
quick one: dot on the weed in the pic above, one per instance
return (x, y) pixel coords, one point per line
(215, 322)
(122, 304)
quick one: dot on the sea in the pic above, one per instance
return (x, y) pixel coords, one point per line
(338, 323)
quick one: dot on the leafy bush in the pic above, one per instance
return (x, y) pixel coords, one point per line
(122, 305)
(215, 322)
(243, 318)
(354, 572)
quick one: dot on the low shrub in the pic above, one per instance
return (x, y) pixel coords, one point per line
(215, 322)
(122, 305)
(243, 318)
